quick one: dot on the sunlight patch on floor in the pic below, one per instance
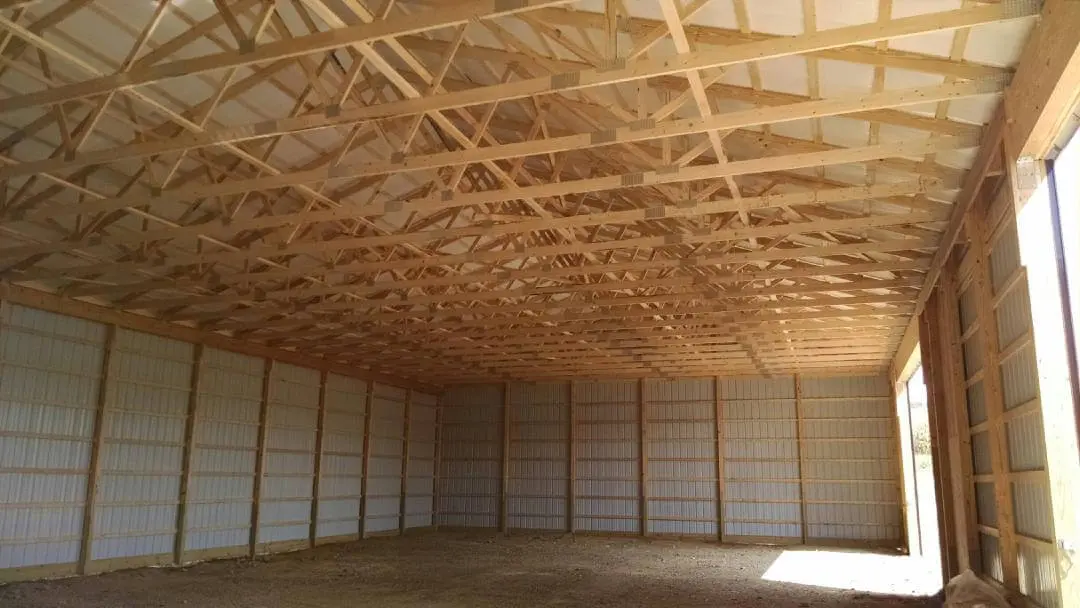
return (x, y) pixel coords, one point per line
(869, 572)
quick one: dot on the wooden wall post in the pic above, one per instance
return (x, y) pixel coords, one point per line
(403, 504)
(260, 455)
(369, 402)
(505, 469)
(86, 547)
(936, 397)
(571, 478)
(437, 466)
(952, 381)
(719, 460)
(995, 408)
(188, 453)
(316, 480)
(802, 461)
(643, 460)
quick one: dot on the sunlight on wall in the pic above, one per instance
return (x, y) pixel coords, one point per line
(856, 570)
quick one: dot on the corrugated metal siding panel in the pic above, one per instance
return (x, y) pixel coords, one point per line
(1038, 575)
(289, 458)
(682, 466)
(1019, 378)
(387, 442)
(849, 467)
(607, 487)
(420, 487)
(50, 370)
(539, 460)
(225, 441)
(142, 445)
(990, 551)
(342, 468)
(471, 456)
(761, 459)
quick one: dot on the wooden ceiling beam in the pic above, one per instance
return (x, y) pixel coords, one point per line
(398, 25)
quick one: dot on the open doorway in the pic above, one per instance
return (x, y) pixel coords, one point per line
(920, 489)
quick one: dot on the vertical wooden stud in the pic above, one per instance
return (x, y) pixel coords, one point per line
(571, 477)
(188, 452)
(643, 458)
(260, 456)
(86, 547)
(403, 498)
(435, 473)
(952, 373)
(935, 401)
(995, 402)
(802, 458)
(719, 460)
(369, 401)
(505, 481)
(316, 480)
(897, 464)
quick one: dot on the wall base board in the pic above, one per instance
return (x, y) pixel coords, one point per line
(333, 540)
(35, 573)
(282, 546)
(204, 555)
(98, 566)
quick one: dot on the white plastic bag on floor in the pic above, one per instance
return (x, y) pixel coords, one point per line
(967, 590)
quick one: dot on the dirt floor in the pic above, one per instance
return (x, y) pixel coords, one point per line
(457, 569)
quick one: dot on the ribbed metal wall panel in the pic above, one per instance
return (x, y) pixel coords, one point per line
(289, 458)
(50, 371)
(761, 458)
(607, 487)
(681, 474)
(147, 394)
(849, 468)
(342, 468)
(225, 440)
(538, 461)
(420, 486)
(1024, 434)
(1038, 574)
(990, 554)
(470, 456)
(387, 445)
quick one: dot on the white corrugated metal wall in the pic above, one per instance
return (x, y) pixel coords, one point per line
(288, 458)
(173, 471)
(420, 486)
(147, 391)
(1026, 462)
(50, 375)
(607, 441)
(762, 491)
(539, 465)
(470, 456)
(342, 466)
(681, 475)
(825, 453)
(387, 447)
(850, 470)
(224, 449)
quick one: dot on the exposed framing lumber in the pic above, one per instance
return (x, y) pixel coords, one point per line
(720, 479)
(504, 468)
(260, 456)
(369, 400)
(571, 476)
(187, 455)
(86, 544)
(316, 480)
(643, 460)
(404, 491)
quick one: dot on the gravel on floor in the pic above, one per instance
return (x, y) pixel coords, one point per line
(458, 569)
